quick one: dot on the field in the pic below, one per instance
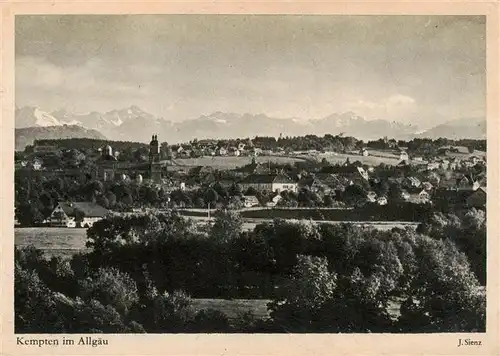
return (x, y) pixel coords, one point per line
(52, 241)
(258, 307)
(374, 159)
(235, 307)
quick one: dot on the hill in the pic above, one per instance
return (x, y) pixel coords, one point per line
(26, 136)
(470, 128)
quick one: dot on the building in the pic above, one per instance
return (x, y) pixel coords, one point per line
(221, 151)
(352, 173)
(382, 201)
(416, 195)
(250, 201)
(432, 166)
(268, 182)
(154, 160)
(65, 214)
(371, 197)
(412, 182)
(403, 155)
(274, 201)
(364, 152)
(37, 164)
(477, 199)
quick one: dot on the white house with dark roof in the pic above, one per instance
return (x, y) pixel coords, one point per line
(65, 214)
(269, 182)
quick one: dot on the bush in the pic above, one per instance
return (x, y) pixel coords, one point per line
(111, 287)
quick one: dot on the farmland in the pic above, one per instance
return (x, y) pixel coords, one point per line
(53, 241)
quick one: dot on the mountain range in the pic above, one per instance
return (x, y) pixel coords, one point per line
(134, 124)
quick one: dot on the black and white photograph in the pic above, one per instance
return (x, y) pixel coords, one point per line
(250, 174)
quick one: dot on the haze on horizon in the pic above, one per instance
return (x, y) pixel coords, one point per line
(423, 70)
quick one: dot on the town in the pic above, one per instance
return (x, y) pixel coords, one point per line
(76, 182)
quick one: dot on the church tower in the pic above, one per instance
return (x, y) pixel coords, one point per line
(154, 160)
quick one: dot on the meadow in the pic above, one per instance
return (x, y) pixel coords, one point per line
(53, 241)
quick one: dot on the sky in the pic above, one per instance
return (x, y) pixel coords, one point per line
(413, 69)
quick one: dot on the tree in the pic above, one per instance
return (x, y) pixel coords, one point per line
(235, 190)
(35, 308)
(299, 300)
(354, 194)
(28, 214)
(227, 225)
(111, 287)
(251, 191)
(172, 312)
(103, 201)
(444, 295)
(111, 199)
(211, 196)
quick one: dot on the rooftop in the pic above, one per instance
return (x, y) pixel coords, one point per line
(88, 208)
(267, 179)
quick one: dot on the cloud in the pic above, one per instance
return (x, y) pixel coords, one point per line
(392, 67)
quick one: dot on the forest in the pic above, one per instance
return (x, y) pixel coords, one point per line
(144, 272)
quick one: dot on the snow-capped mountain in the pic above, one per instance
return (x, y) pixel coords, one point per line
(34, 117)
(134, 124)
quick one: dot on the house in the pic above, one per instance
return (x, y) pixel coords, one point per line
(371, 196)
(412, 182)
(65, 214)
(364, 152)
(444, 164)
(403, 164)
(454, 164)
(333, 181)
(432, 166)
(451, 197)
(241, 146)
(255, 151)
(37, 164)
(221, 151)
(403, 155)
(382, 201)
(269, 182)
(313, 184)
(463, 183)
(427, 186)
(477, 199)
(417, 196)
(250, 200)
(233, 151)
(474, 160)
(184, 154)
(353, 173)
(418, 158)
(274, 201)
